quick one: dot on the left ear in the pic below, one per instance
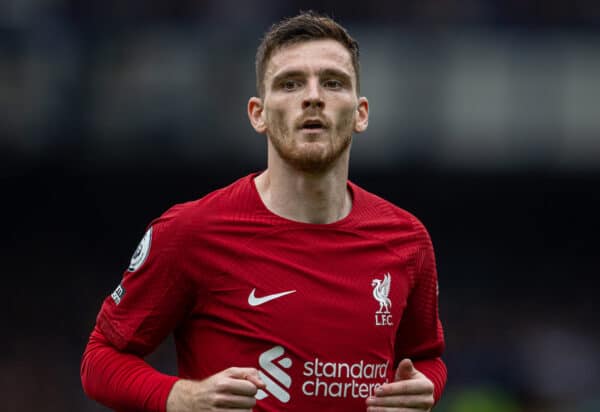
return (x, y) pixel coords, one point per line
(361, 121)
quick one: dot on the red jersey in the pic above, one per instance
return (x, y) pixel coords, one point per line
(324, 311)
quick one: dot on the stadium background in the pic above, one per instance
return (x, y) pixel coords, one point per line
(485, 124)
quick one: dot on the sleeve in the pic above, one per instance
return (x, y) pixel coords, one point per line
(420, 335)
(153, 296)
(122, 381)
(152, 299)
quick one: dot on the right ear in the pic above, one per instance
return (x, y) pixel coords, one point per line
(255, 114)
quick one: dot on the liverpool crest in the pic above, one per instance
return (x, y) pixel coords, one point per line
(381, 291)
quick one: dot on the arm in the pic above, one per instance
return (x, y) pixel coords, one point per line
(421, 374)
(120, 380)
(148, 304)
(153, 298)
(125, 382)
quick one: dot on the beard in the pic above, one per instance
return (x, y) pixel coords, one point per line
(308, 154)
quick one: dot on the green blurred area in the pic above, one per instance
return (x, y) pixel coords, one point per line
(497, 399)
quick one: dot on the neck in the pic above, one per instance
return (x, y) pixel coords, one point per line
(306, 197)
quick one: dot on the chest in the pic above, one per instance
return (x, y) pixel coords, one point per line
(285, 284)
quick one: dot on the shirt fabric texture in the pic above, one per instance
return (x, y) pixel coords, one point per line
(324, 311)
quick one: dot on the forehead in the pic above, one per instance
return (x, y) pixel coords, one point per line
(310, 55)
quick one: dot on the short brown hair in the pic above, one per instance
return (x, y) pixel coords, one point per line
(306, 26)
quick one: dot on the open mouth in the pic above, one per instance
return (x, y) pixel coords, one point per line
(313, 125)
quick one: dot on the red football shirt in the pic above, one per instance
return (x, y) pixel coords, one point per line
(324, 311)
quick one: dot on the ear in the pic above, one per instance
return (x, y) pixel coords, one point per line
(361, 121)
(255, 114)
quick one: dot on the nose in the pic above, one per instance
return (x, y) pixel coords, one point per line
(313, 96)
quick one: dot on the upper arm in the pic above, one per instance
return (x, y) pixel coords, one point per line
(153, 295)
(420, 334)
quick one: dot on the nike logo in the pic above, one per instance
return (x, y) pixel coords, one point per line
(255, 301)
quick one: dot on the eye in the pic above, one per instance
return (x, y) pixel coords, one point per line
(290, 85)
(333, 84)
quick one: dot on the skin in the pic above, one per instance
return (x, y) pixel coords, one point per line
(305, 181)
(411, 391)
(308, 169)
(232, 389)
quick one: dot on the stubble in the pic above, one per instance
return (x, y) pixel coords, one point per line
(304, 155)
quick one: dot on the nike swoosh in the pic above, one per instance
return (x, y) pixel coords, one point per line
(255, 301)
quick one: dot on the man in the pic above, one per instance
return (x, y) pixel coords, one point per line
(291, 289)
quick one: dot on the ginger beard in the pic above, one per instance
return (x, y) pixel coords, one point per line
(307, 152)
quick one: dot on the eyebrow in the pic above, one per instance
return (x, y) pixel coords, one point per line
(336, 73)
(286, 74)
(322, 73)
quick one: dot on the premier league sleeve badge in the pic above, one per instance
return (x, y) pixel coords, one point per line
(141, 252)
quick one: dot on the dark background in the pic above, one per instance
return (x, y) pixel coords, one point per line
(485, 124)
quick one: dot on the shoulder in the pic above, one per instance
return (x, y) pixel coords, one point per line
(195, 214)
(401, 230)
(381, 212)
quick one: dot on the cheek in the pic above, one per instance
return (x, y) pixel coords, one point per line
(346, 119)
(279, 115)
(276, 116)
(278, 121)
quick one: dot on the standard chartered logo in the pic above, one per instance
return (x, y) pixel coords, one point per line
(275, 378)
(343, 380)
(321, 379)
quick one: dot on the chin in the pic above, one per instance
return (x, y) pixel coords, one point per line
(314, 157)
(310, 155)
(311, 165)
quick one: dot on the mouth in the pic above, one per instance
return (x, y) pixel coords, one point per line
(313, 125)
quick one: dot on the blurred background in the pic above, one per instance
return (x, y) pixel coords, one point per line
(485, 123)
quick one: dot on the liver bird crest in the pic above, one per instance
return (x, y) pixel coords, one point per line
(381, 290)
